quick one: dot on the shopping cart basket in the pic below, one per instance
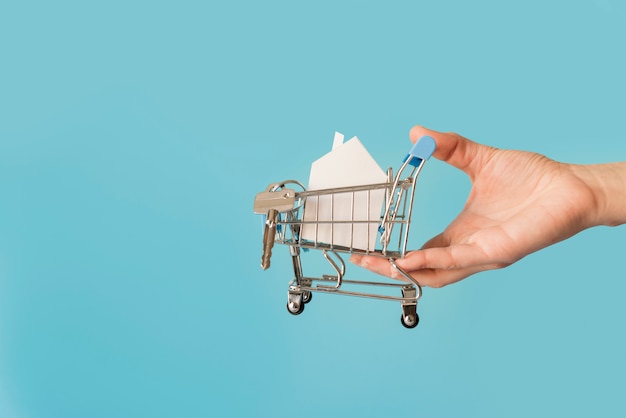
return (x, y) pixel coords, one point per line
(306, 220)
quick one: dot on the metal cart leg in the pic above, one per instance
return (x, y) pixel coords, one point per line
(296, 297)
(297, 263)
(409, 317)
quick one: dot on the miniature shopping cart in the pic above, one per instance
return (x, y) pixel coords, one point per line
(308, 220)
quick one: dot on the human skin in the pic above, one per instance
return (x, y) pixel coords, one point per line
(520, 202)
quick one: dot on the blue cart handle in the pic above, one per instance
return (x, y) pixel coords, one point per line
(422, 150)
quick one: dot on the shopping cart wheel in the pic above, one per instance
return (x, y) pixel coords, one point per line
(295, 308)
(410, 321)
(307, 295)
(295, 304)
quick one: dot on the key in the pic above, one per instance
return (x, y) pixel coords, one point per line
(271, 203)
(268, 238)
(281, 200)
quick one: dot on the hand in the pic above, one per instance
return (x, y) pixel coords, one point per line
(519, 203)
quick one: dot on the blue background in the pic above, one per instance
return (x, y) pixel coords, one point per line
(134, 136)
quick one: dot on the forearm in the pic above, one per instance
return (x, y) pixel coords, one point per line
(608, 185)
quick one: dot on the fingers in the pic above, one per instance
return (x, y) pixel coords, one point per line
(441, 278)
(425, 277)
(454, 149)
(454, 257)
(434, 267)
(377, 265)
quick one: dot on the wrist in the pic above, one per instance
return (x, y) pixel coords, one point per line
(607, 184)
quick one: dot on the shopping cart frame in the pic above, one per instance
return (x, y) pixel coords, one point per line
(284, 208)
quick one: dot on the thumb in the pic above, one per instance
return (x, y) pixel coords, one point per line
(454, 149)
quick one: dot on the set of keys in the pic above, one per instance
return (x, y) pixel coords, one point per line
(270, 203)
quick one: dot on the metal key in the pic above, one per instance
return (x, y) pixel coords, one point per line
(281, 200)
(268, 238)
(272, 202)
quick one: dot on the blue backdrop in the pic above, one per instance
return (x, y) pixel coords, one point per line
(135, 134)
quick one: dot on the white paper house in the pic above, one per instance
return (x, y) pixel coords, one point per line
(348, 164)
